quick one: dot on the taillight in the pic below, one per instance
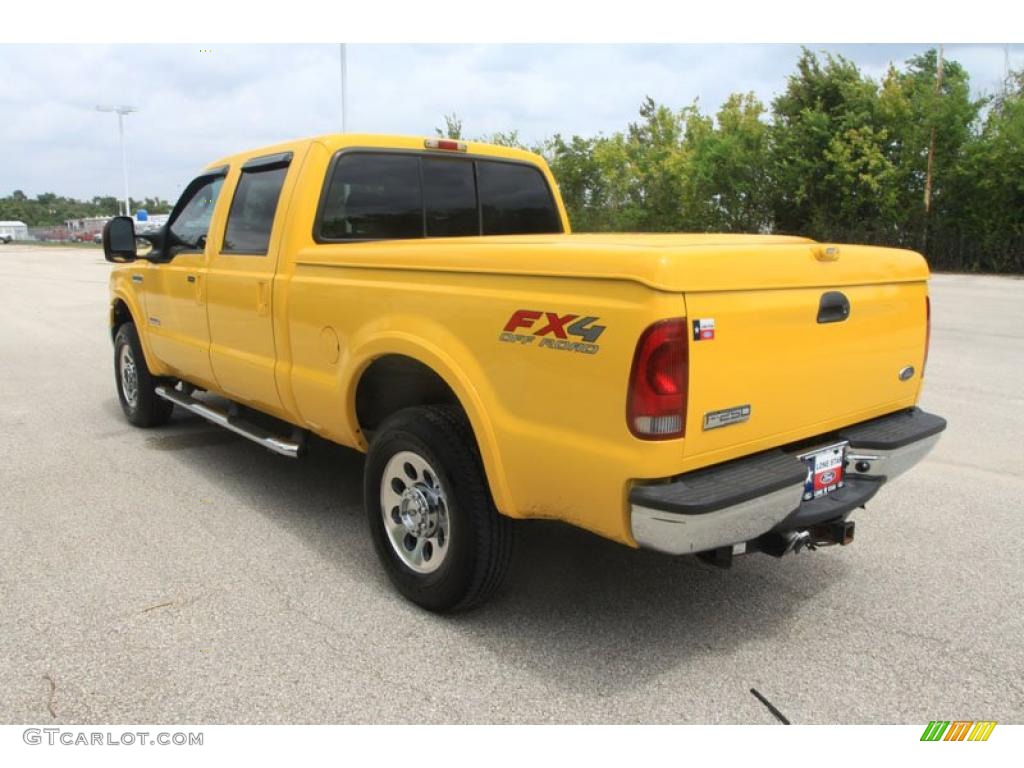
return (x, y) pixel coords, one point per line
(927, 331)
(656, 408)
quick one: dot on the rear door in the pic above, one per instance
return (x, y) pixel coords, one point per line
(240, 281)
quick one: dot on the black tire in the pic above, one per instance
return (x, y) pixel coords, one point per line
(146, 409)
(479, 548)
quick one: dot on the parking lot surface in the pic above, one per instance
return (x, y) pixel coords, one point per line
(185, 575)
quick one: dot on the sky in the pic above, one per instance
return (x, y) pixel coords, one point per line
(197, 104)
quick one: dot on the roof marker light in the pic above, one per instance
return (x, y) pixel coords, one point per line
(449, 145)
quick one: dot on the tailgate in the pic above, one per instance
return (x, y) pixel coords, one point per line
(800, 367)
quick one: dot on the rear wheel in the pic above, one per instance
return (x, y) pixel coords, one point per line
(135, 384)
(431, 516)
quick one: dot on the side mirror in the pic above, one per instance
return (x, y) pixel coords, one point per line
(119, 240)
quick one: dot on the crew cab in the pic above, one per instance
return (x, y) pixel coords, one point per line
(425, 302)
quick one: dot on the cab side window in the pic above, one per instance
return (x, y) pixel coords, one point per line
(374, 196)
(253, 209)
(192, 221)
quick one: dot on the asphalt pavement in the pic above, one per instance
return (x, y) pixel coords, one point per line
(185, 575)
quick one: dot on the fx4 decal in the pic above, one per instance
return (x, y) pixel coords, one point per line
(554, 331)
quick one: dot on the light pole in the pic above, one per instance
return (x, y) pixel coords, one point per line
(344, 87)
(121, 111)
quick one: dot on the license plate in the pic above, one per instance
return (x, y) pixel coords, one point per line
(824, 470)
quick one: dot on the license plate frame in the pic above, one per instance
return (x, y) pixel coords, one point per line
(826, 470)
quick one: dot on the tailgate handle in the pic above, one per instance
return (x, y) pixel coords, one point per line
(834, 307)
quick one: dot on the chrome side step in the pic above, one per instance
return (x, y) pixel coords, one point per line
(290, 448)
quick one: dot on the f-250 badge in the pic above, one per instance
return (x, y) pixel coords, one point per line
(525, 326)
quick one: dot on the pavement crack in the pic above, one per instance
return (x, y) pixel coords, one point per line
(158, 605)
(771, 707)
(52, 698)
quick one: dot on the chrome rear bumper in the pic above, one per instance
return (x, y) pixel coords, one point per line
(736, 502)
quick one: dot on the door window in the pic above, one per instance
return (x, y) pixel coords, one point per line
(192, 221)
(252, 211)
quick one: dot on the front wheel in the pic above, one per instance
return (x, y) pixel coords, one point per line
(136, 386)
(431, 516)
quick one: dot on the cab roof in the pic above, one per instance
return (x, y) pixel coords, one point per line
(332, 142)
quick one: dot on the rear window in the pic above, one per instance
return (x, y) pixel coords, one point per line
(449, 196)
(379, 196)
(515, 200)
(374, 197)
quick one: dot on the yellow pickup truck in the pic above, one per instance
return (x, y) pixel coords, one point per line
(423, 301)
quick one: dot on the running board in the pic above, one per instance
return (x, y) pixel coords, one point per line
(257, 434)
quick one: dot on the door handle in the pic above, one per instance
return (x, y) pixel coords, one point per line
(833, 308)
(262, 298)
(198, 283)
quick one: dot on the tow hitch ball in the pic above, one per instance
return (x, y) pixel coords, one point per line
(797, 540)
(778, 544)
(840, 533)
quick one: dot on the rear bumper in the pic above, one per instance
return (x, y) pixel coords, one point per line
(742, 500)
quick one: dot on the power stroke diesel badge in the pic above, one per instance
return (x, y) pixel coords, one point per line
(569, 333)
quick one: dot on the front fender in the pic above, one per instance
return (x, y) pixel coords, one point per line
(122, 289)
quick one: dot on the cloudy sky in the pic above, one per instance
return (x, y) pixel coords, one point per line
(196, 105)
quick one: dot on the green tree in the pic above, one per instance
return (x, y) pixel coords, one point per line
(914, 107)
(987, 187)
(452, 127)
(580, 180)
(727, 169)
(49, 209)
(654, 155)
(830, 169)
(504, 139)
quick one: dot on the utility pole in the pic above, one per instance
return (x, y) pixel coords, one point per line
(931, 155)
(931, 143)
(344, 87)
(121, 111)
(1006, 70)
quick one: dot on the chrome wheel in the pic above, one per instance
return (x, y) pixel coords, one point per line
(415, 510)
(129, 376)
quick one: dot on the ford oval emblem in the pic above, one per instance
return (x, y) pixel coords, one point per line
(906, 373)
(827, 477)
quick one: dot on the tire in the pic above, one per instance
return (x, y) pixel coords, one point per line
(432, 519)
(135, 384)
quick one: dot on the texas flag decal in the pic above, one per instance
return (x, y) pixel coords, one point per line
(704, 329)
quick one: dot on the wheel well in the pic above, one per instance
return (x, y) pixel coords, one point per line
(119, 315)
(394, 382)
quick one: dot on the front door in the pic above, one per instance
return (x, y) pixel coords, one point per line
(175, 287)
(241, 280)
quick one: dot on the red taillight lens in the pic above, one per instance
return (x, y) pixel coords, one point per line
(656, 408)
(927, 331)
